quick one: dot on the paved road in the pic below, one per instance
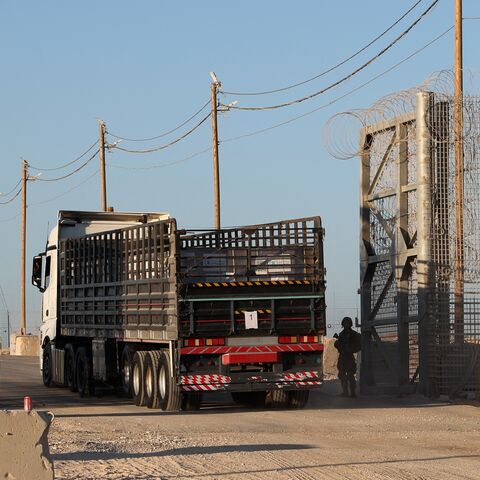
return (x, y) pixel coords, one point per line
(333, 438)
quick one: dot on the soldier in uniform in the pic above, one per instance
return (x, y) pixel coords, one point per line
(347, 344)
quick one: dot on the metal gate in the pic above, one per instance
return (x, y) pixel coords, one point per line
(410, 336)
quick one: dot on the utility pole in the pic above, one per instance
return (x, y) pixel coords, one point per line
(214, 87)
(23, 324)
(459, 174)
(103, 186)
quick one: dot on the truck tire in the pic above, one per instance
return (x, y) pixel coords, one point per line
(249, 399)
(83, 369)
(47, 367)
(70, 372)
(278, 399)
(126, 364)
(191, 401)
(150, 375)
(169, 392)
(299, 398)
(138, 383)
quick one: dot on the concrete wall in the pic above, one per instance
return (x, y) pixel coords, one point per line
(24, 452)
(27, 345)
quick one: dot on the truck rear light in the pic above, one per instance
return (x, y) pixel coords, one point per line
(309, 339)
(193, 342)
(214, 341)
(288, 339)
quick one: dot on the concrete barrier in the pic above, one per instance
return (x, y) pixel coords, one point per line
(330, 358)
(24, 452)
(13, 342)
(27, 345)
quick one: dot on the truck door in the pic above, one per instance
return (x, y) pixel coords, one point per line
(50, 285)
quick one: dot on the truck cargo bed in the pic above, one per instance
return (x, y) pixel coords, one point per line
(154, 282)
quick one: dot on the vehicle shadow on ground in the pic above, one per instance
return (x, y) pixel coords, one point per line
(296, 468)
(220, 403)
(87, 455)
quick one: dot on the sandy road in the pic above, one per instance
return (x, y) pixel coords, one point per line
(334, 438)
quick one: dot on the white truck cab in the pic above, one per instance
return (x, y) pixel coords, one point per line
(73, 224)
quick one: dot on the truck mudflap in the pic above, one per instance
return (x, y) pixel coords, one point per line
(251, 381)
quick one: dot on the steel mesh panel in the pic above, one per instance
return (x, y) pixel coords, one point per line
(454, 359)
(385, 353)
(413, 358)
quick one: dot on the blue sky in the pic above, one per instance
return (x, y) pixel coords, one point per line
(143, 68)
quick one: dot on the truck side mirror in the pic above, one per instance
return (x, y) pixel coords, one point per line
(37, 272)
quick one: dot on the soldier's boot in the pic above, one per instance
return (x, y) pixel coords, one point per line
(344, 383)
(353, 388)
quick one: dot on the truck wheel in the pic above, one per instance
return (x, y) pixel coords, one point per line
(70, 380)
(250, 399)
(126, 363)
(150, 375)
(191, 401)
(83, 369)
(47, 367)
(278, 399)
(138, 384)
(169, 392)
(299, 398)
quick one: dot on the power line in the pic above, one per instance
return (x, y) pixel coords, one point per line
(346, 77)
(42, 202)
(65, 164)
(68, 174)
(9, 219)
(335, 67)
(337, 99)
(151, 167)
(12, 190)
(13, 198)
(162, 147)
(162, 134)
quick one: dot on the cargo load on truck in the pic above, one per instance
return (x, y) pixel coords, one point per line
(171, 314)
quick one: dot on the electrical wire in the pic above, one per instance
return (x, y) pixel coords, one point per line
(65, 164)
(151, 167)
(12, 190)
(68, 174)
(162, 134)
(13, 198)
(162, 147)
(331, 69)
(346, 77)
(337, 99)
(42, 202)
(291, 120)
(9, 219)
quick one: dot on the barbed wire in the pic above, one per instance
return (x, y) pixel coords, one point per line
(340, 134)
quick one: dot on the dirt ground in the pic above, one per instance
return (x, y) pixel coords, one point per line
(333, 438)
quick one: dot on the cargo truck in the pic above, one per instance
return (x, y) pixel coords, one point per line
(168, 315)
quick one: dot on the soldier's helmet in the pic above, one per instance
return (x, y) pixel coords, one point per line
(347, 321)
